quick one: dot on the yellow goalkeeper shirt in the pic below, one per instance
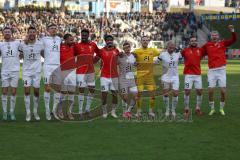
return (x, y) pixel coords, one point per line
(144, 59)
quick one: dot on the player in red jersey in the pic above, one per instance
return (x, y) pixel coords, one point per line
(109, 74)
(215, 50)
(68, 65)
(85, 51)
(192, 74)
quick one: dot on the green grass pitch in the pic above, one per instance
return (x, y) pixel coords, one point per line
(210, 138)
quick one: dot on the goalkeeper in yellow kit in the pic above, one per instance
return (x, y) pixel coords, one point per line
(145, 76)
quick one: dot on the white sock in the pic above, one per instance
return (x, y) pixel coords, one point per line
(211, 105)
(4, 103)
(124, 105)
(12, 105)
(174, 103)
(89, 102)
(222, 104)
(166, 102)
(27, 103)
(114, 107)
(35, 104)
(47, 101)
(186, 102)
(80, 102)
(71, 99)
(132, 104)
(199, 102)
(104, 108)
(56, 101)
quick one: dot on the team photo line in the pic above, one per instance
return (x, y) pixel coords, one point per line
(68, 63)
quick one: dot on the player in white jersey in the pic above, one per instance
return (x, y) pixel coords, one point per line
(31, 50)
(52, 71)
(127, 85)
(10, 71)
(170, 77)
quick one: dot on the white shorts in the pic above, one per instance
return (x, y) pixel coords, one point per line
(127, 86)
(85, 80)
(217, 78)
(10, 79)
(171, 84)
(108, 84)
(191, 80)
(52, 74)
(32, 80)
(69, 82)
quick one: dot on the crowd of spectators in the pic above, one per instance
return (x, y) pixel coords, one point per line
(160, 26)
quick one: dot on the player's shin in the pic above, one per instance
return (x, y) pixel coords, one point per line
(4, 103)
(174, 104)
(166, 103)
(80, 103)
(89, 102)
(12, 107)
(124, 105)
(199, 102)
(56, 101)
(71, 99)
(27, 104)
(211, 105)
(152, 103)
(131, 105)
(186, 102)
(46, 101)
(35, 107)
(13, 103)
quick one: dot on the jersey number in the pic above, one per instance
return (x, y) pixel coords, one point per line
(9, 53)
(146, 58)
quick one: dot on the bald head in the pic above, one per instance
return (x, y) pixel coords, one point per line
(171, 47)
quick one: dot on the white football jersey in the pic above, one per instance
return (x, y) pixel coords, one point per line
(10, 56)
(170, 64)
(31, 56)
(51, 50)
(126, 65)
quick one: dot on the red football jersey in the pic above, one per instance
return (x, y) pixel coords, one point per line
(109, 62)
(192, 60)
(67, 58)
(216, 51)
(85, 54)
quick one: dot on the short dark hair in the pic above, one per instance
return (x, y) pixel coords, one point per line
(31, 28)
(85, 31)
(66, 36)
(126, 43)
(108, 36)
(6, 28)
(193, 37)
(51, 25)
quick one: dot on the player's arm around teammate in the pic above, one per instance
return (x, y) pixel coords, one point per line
(109, 74)
(215, 50)
(9, 71)
(52, 71)
(85, 51)
(170, 77)
(192, 75)
(31, 50)
(68, 70)
(145, 76)
(127, 86)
